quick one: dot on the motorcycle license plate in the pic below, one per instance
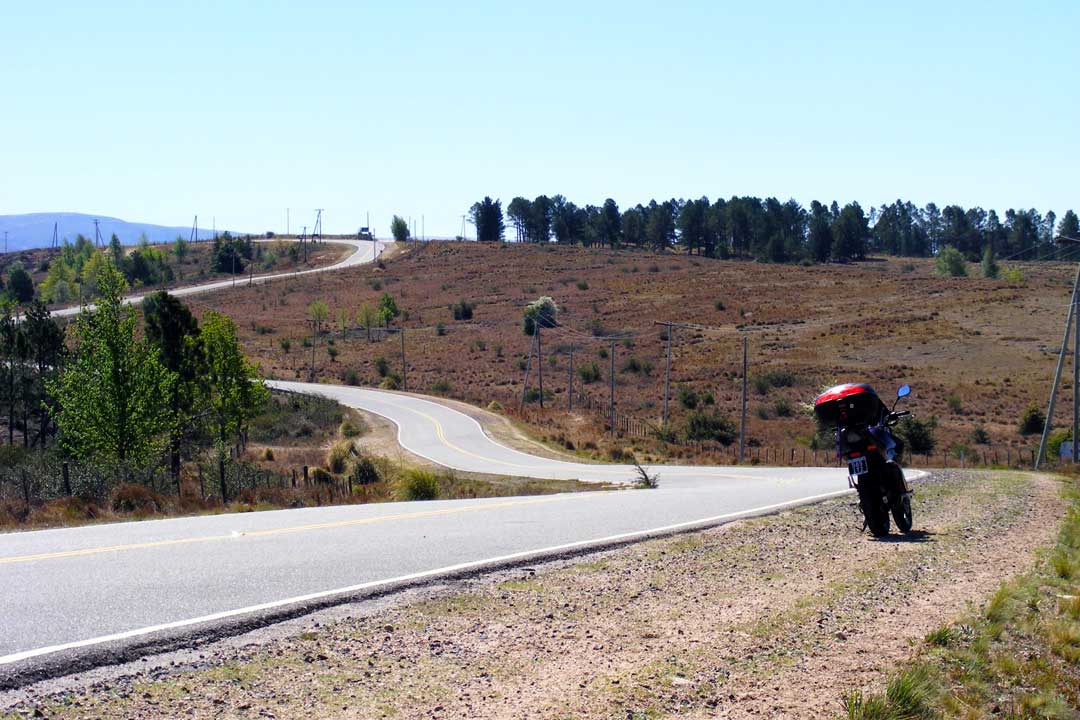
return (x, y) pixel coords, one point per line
(857, 466)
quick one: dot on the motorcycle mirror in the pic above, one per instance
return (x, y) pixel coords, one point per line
(904, 391)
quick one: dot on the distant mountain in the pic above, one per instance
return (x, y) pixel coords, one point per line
(35, 230)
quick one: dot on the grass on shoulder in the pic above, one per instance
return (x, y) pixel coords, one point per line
(1018, 658)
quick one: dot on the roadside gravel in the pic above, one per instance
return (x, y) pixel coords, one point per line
(768, 617)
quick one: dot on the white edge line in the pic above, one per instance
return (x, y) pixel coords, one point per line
(473, 564)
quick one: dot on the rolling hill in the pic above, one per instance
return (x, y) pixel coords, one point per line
(35, 230)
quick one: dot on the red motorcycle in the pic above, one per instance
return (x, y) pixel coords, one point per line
(862, 425)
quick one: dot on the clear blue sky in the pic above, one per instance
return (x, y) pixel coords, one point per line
(157, 111)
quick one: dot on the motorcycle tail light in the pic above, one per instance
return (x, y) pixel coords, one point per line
(871, 447)
(855, 454)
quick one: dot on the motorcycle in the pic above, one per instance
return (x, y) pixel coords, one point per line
(862, 426)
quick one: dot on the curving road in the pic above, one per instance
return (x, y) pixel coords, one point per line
(364, 251)
(76, 597)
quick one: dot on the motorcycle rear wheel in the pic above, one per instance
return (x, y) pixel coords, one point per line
(901, 512)
(875, 512)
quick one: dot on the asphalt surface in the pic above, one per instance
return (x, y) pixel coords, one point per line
(72, 588)
(67, 594)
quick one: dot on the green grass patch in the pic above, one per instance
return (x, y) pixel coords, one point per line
(1017, 658)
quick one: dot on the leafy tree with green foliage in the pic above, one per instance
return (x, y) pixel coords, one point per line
(388, 310)
(1032, 421)
(174, 332)
(366, 317)
(399, 229)
(821, 237)
(229, 254)
(850, 231)
(487, 216)
(180, 248)
(951, 263)
(113, 396)
(236, 391)
(918, 435)
(20, 285)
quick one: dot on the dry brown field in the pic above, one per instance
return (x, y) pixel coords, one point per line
(976, 351)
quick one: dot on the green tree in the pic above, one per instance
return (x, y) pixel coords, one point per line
(821, 237)
(112, 398)
(850, 230)
(180, 248)
(399, 229)
(116, 251)
(174, 332)
(20, 284)
(487, 216)
(366, 317)
(990, 267)
(236, 391)
(317, 314)
(1069, 225)
(951, 263)
(388, 309)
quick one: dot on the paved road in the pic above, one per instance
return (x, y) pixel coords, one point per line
(69, 593)
(364, 252)
(73, 589)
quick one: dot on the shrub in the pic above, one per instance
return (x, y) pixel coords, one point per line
(719, 305)
(462, 310)
(533, 395)
(1014, 275)
(268, 454)
(419, 485)
(918, 435)
(332, 352)
(954, 404)
(951, 263)
(495, 406)
(979, 436)
(440, 329)
(350, 377)
(688, 398)
(1054, 442)
(582, 285)
(321, 476)
(782, 408)
(589, 373)
(349, 429)
(285, 344)
(132, 498)
(338, 456)
(364, 472)
(710, 426)
(382, 366)
(391, 382)
(1032, 421)
(632, 365)
(761, 385)
(990, 267)
(440, 386)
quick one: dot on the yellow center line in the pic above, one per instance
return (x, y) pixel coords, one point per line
(285, 530)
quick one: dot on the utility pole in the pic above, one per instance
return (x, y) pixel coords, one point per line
(570, 383)
(612, 373)
(540, 364)
(404, 372)
(667, 368)
(1057, 372)
(742, 428)
(528, 367)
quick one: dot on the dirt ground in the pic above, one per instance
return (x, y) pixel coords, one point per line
(770, 617)
(976, 351)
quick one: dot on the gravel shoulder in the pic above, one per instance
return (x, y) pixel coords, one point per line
(774, 616)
